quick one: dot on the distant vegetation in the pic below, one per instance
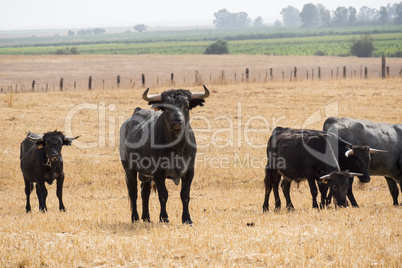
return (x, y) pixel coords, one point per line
(219, 47)
(256, 41)
(314, 30)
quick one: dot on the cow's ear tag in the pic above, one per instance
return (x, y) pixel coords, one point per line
(155, 108)
(324, 181)
(40, 146)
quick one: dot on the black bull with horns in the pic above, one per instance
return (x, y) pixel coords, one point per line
(41, 162)
(319, 156)
(160, 145)
(387, 137)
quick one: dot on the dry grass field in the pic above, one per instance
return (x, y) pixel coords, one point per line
(227, 192)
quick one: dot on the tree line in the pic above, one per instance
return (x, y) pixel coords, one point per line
(313, 16)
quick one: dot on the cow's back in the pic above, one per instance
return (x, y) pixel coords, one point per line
(134, 132)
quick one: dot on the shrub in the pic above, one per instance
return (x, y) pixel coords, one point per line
(218, 47)
(363, 47)
(320, 53)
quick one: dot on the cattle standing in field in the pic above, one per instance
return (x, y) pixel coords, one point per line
(294, 155)
(355, 158)
(41, 162)
(159, 145)
(387, 137)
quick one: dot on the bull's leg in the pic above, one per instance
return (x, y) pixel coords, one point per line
(163, 197)
(350, 194)
(145, 193)
(185, 196)
(314, 191)
(286, 192)
(41, 192)
(393, 189)
(28, 191)
(59, 192)
(323, 191)
(131, 181)
(269, 182)
(277, 180)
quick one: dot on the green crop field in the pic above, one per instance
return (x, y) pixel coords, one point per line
(266, 41)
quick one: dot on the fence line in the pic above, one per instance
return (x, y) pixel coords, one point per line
(247, 76)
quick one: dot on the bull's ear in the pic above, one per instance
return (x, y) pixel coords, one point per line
(67, 141)
(196, 102)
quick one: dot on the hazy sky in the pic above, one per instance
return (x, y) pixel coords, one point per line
(44, 14)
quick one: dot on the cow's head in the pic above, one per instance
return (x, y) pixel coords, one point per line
(176, 104)
(358, 160)
(338, 182)
(52, 142)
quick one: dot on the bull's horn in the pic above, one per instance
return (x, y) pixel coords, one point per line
(349, 152)
(70, 139)
(376, 151)
(155, 97)
(35, 137)
(325, 177)
(200, 95)
(352, 174)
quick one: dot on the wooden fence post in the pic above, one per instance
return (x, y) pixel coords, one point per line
(295, 73)
(307, 74)
(61, 84)
(271, 73)
(143, 80)
(247, 74)
(118, 81)
(365, 72)
(388, 71)
(90, 83)
(33, 86)
(172, 79)
(383, 66)
(344, 72)
(319, 73)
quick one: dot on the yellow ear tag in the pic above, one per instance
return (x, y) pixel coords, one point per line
(40, 146)
(324, 181)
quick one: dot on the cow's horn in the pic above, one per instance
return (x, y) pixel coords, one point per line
(325, 177)
(201, 95)
(349, 152)
(70, 139)
(376, 151)
(35, 137)
(352, 174)
(155, 97)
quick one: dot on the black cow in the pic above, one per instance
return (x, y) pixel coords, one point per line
(295, 156)
(387, 137)
(160, 145)
(350, 157)
(41, 162)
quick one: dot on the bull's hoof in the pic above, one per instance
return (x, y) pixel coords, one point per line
(188, 222)
(164, 220)
(43, 210)
(63, 209)
(290, 208)
(265, 209)
(146, 220)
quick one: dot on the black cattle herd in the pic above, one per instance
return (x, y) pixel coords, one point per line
(158, 144)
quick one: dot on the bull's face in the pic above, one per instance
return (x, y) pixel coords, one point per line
(52, 146)
(176, 113)
(176, 104)
(52, 142)
(359, 161)
(338, 182)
